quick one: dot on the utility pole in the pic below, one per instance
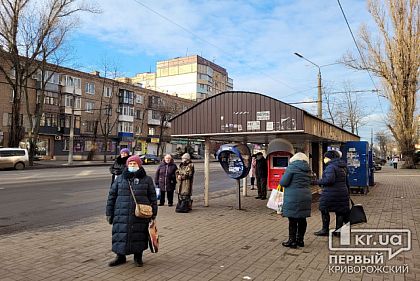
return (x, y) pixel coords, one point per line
(71, 137)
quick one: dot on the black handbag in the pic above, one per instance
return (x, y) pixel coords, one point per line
(357, 214)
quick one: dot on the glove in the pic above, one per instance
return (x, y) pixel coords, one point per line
(109, 219)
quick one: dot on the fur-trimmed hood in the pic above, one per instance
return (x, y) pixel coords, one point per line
(299, 156)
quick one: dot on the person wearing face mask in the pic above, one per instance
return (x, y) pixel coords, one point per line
(335, 195)
(118, 166)
(185, 177)
(165, 179)
(130, 234)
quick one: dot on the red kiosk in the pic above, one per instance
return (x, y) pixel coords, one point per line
(278, 154)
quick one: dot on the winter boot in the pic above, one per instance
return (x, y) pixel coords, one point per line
(138, 259)
(325, 224)
(119, 259)
(301, 232)
(291, 243)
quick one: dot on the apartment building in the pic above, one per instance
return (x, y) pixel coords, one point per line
(108, 115)
(193, 77)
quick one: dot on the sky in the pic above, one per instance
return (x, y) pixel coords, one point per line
(255, 40)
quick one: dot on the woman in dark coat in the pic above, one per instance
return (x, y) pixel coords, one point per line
(130, 234)
(335, 194)
(118, 166)
(297, 198)
(165, 178)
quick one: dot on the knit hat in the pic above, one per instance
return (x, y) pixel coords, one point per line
(134, 158)
(125, 150)
(299, 156)
(331, 154)
(186, 156)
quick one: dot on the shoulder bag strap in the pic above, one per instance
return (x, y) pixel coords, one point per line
(132, 193)
(352, 203)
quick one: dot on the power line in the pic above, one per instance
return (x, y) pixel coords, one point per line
(208, 42)
(360, 53)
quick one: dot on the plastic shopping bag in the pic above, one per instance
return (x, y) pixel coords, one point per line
(276, 200)
(157, 189)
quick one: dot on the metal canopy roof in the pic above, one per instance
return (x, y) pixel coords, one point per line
(237, 116)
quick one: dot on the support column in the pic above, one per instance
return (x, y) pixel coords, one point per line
(206, 172)
(244, 190)
(321, 159)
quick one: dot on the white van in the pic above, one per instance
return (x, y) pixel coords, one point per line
(17, 158)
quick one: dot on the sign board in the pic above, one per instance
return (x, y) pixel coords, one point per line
(269, 126)
(253, 125)
(263, 115)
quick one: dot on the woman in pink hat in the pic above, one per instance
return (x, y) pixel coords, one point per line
(130, 234)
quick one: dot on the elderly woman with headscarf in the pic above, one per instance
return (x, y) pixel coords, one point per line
(185, 177)
(297, 198)
(130, 234)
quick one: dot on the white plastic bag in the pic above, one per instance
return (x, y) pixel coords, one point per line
(275, 201)
(157, 189)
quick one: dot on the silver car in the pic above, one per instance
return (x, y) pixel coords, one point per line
(17, 158)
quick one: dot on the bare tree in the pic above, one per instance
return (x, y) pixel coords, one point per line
(31, 33)
(394, 56)
(347, 112)
(383, 140)
(166, 111)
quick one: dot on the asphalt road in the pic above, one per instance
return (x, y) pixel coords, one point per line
(33, 199)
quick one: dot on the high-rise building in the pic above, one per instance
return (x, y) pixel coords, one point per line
(191, 77)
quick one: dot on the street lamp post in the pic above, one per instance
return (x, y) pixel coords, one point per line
(319, 102)
(71, 135)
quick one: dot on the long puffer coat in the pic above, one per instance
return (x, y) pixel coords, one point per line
(165, 176)
(297, 193)
(335, 194)
(130, 233)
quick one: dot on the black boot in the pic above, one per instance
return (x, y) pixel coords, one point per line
(138, 259)
(301, 230)
(325, 224)
(119, 259)
(291, 243)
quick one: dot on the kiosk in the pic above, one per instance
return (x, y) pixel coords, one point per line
(278, 155)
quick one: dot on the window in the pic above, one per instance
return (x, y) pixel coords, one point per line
(126, 97)
(72, 82)
(108, 92)
(51, 77)
(138, 130)
(49, 98)
(108, 110)
(154, 101)
(139, 114)
(90, 88)
(90, 126)
(78, 104)
(68, 100)
(125, 127)
(76, 121)
(152, 131)
(7, 119)
(90, 106)
(139, 99)
(49, 120)
(155, 115)
(126, 110)
(12, 95)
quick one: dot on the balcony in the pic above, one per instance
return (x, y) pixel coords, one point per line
(48, 86)
(126, 118)
(71, 90)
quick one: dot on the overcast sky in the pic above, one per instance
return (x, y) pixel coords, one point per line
(254, 40)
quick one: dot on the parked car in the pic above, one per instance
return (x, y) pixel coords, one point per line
(150, 159)
(377, 166)
(379, 160)
(17, 158)
(417, 157)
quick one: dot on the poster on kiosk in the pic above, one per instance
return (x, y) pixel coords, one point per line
(278, 154)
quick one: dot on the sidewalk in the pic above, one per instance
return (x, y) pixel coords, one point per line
(216, 243)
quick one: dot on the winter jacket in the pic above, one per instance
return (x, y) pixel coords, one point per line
(297, 193)
(165, 176)
(130, 233)
(253, 167)
(119, 165)
(335, 194)
(186, 173)
(261, 170)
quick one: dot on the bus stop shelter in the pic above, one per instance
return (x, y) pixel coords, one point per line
(248, 117)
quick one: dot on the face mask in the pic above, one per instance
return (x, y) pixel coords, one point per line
(326, 160)
(133, 169)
